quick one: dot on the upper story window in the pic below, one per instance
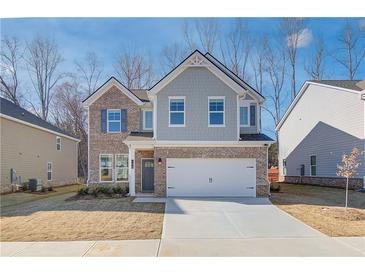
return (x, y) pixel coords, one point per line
(313, 165)
(147, 119)
(114, 120)
(247, 114)
(216, 111)
(58, 143)
(177, 111)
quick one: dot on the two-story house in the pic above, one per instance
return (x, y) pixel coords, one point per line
(325, 120)
(196, 132)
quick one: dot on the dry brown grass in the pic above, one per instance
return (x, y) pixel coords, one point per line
(55, 219)
(24, 197)
(322, 208)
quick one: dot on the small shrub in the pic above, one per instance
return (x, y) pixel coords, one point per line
(25, 186)
(83, 191)
(95, 191)
(43, 189)
(50, 188)
(104, 189)
(274, 187)
(117, 190)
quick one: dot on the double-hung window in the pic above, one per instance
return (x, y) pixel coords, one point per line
(147, 119)
(49, 171)
(114, 120)
(247, 114)
(313, 165)
(106, 167)
(216, 111)
(121, 167)
(58, 143)
(177, 111)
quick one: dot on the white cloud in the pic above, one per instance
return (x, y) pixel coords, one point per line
(303, 38)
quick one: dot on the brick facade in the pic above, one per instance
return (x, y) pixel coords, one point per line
(260, 153)
(354, 183)
(109, 143)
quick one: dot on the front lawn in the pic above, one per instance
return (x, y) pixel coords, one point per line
(61, 219)
(322, 208)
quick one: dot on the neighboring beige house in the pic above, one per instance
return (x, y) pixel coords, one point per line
(197, 132)
(33, 148)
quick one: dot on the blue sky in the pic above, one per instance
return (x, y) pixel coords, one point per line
(108, 37)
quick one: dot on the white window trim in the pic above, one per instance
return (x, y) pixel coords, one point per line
(310, 164)
(246, 103)
(105, 154)
(51, 171)
(107, 120)
(115, 168)
(224, 110)
(58, 138)
(173, 98)
(144, 118)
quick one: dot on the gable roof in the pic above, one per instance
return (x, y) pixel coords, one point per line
(112, 81)
(341, 85)
(233, 75)
(347, 84)
(198, 59)
(12, 111)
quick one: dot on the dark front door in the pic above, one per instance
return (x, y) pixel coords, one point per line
(147, 175)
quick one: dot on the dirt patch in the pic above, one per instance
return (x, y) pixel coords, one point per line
(55, 219)
(322, 208)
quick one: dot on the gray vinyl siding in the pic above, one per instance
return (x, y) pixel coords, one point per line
(197, 84)
(325, 122)
(251, 129)
(328, 144)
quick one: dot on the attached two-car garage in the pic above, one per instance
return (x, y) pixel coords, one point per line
(198, 177)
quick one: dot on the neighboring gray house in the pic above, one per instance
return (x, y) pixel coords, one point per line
(196, 132)
(325, 120)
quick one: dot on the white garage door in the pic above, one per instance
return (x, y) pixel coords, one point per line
(211, 177)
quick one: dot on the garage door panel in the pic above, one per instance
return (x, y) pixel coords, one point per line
(211, 177)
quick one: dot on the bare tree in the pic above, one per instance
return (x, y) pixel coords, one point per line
(315, 68)
(204, 33)
(10, 56)
(135, 70)
(89, 71)
(292, 29)
(350, 163)
(69, 115)
(352, 50)
(172, 56)
(275, 68)
(43, 60)
(208, 33)
(258, 63)
(236, 49)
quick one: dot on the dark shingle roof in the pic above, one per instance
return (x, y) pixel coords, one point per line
(348, 84)
(255, 137)
(10, 109)
(141, 94)
(141, 133)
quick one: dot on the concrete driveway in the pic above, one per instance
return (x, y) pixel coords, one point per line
(240, 227)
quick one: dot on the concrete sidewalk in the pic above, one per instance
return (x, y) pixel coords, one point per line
(350, 246)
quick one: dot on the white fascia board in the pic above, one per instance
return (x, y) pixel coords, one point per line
(106, 87)
(206, 63)
(38, 127)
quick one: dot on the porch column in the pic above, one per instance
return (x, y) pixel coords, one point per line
(131, 171)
